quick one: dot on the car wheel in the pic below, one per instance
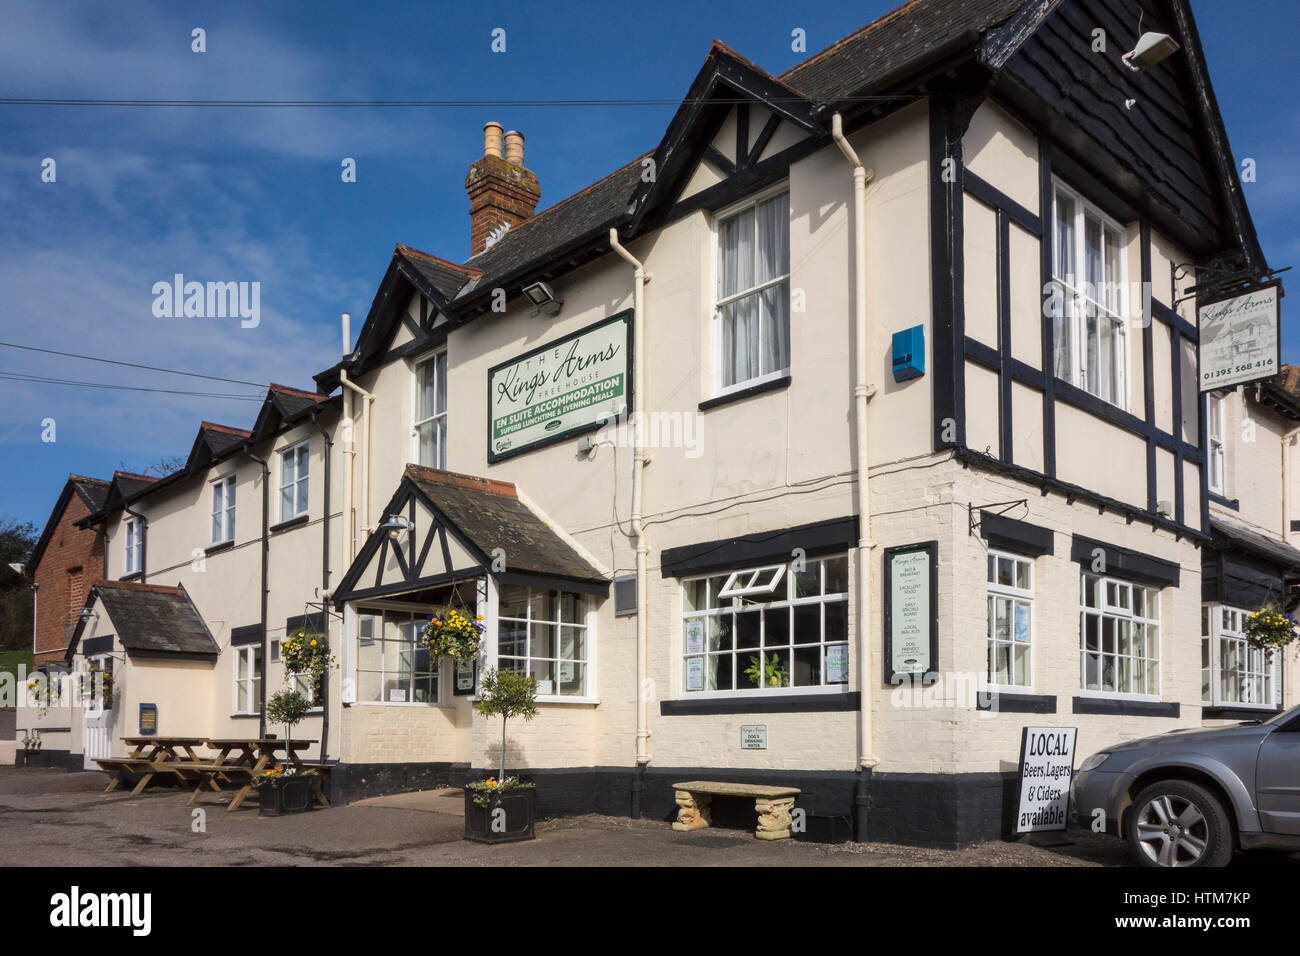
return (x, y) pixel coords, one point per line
(1177, 823)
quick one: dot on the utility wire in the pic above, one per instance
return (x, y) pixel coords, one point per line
(410, 104)
(150, 368)
(40, 379)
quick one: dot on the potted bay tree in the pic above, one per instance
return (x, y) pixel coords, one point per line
(502, 809)
(284, 789)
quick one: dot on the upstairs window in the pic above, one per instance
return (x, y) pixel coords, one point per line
(248, 679)
(1090, 337)
(223, 510)
(134, 545)
(294, 480)
(1216, 420)
(430, 431)
(752, 305)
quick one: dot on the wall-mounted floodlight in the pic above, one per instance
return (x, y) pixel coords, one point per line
(1151, 49)
(86, 614)
(543, 297)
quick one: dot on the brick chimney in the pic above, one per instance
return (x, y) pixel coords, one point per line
(502, 194)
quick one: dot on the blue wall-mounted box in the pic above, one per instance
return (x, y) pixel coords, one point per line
(909, 353)
(148, 719)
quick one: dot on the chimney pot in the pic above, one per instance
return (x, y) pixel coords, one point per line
(492, 139)
(515, 147)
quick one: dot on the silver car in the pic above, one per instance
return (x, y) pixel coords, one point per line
(1192, 797)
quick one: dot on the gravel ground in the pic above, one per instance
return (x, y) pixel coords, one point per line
(53, 818)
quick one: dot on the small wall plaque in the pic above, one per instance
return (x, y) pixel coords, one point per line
(753, 736)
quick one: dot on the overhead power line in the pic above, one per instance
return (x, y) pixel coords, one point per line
(44, 380)
(150, 368)
(407, 104)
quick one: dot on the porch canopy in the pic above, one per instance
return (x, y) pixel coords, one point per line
(148, 620)
(441, 527)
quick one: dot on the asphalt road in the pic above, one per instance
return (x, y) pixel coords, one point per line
(53, 818)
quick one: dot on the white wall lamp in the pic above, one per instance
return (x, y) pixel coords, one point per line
(543, 297)
(396, 523)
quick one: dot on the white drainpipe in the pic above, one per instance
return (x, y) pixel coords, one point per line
(1287, 439)
(862, 393)
(639, 461)
(350, 449)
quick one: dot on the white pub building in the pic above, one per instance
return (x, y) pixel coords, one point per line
(855, 427)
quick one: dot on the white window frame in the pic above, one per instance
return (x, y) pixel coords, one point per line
(756, 581)
(223, 509)
(1116, 611)
(588, 626)
(437, 417)
(299, 477)
(1019, 597)
(134, 550)
(251, 652)
(717, 302)
(783, 598)
(1074, 295)
(1216, 452)
(1222, 624)
(370, 609)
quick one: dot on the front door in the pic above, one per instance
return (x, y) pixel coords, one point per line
(1277, 780)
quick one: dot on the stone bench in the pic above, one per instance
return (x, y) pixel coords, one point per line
(773, 805)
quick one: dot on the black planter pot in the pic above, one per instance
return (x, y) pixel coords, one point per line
(487, 825)
(281, 797)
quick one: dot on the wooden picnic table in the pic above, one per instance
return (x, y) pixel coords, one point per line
(241, 759)
(150, 755)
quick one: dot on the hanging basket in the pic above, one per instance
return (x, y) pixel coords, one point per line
(453, 633)
(1269, 628)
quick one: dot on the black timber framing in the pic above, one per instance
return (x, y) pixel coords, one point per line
(948, 278)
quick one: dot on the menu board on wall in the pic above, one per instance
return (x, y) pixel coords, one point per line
(911, 612)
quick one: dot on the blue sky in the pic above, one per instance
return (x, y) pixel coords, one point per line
(256, 195)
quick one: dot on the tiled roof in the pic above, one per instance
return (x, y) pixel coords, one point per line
(902, 38)
(491, 515)
(152, 620)
(92, 490)
(444, 275)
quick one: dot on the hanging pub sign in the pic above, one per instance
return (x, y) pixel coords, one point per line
(1046, 771)
(571, 385)
(1239, 338)
(911, 612)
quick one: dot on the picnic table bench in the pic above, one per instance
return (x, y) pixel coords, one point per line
(242, 759)
(151, 756)
(773, 805)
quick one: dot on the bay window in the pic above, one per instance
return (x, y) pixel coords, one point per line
(430, 414)
(545, 634)
(1233, 671)
(393, 663)
(1010, 605)
(1088, 273)
(768, 628)
(752, 304)
(1119, 637)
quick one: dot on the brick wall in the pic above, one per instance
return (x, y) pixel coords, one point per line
(73, 560)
